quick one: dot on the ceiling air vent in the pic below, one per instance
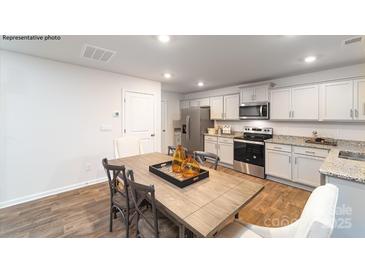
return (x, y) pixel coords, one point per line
(96, 53)
(353, 41)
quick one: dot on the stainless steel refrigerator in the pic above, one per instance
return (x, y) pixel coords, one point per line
(194, 123)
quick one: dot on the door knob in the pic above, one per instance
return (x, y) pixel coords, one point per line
(152, 135)
(163, 130)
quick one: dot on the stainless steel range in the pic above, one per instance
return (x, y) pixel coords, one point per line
(249, 151)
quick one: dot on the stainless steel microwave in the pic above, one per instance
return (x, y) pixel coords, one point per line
(254, 111)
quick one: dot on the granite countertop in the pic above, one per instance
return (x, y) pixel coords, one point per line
(333, 165)
(232, 135)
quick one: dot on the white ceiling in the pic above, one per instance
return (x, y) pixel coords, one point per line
(216, 60)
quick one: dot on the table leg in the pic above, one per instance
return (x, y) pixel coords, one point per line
(181, 231)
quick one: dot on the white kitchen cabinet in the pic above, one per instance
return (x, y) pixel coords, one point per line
(254, 94)
(359, 99)
(306, 169)
(210, 146)
(304, 103)
(225, 150)
(337, 101)
(216, 108)
(195, 103)
(261, 93)
(231, 107)
(184, 104)
(278, 164)
(203, 102)
(280, 107)
(223, 147)
(297, 103)
(247, 95)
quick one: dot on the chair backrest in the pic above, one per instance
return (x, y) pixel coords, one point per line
(201, 156)
(171, 150)
(318, 216)
(113, 172)
(127, 146)
(141, 193)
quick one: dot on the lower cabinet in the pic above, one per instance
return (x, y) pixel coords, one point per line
(278, 164)
(221, 146)
(297, 164)
(306, 170)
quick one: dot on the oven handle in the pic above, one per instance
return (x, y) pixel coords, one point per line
(261, 107)
(249, 142)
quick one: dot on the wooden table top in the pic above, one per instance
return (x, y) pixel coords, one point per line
(202, 207)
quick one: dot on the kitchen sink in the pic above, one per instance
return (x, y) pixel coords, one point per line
(357, 156)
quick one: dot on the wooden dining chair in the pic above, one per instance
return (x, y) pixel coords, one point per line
(171, 150)
(150, 222)
(201, 157)
(119, 194)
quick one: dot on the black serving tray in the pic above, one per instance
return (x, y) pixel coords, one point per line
(164, 170)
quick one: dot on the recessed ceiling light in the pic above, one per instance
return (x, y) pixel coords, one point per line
(310, 59)
(200, 84)
(163, 38)
(167, 75)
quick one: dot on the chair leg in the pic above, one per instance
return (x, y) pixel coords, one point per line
(111, 219)
(127, 223)
(115, 213)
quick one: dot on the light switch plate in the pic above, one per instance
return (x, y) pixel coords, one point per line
(105, 128)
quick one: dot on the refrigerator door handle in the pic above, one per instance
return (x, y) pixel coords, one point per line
(187, 128)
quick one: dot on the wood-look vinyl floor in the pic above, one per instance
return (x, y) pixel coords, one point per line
(84, 212)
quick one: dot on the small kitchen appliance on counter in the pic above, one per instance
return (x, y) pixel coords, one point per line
(249, 151)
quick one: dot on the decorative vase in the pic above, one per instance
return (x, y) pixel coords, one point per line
(178, 158)
(190, 167)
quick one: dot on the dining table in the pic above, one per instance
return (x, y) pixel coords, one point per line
(204, 207)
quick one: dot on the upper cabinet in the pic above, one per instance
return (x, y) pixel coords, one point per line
(280, 105)
(216, 108)
(359, 99)
(225, 107)
(231, 107)
(184, 104)
(337, 101)
(202, 102)
(255, 94)
(304, 102)
(296, 103)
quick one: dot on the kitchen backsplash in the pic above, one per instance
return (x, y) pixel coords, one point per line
(346, 131)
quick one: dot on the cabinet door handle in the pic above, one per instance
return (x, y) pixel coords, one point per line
(292, 114)
(363, 108)
(351, 113)
(356, 113)
(289, 159)
(295, 160)
(289, 113)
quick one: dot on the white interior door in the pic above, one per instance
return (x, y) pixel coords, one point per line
(139, 119)
(164, 133)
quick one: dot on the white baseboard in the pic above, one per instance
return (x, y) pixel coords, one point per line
(290, 183)
(36, 196)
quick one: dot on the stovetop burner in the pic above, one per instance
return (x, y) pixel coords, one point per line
(256, 134)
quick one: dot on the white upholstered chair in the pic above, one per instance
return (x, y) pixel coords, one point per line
(127, 146)
(317, 220)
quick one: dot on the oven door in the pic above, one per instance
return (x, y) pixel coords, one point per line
(253, 111)
(249, 152)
